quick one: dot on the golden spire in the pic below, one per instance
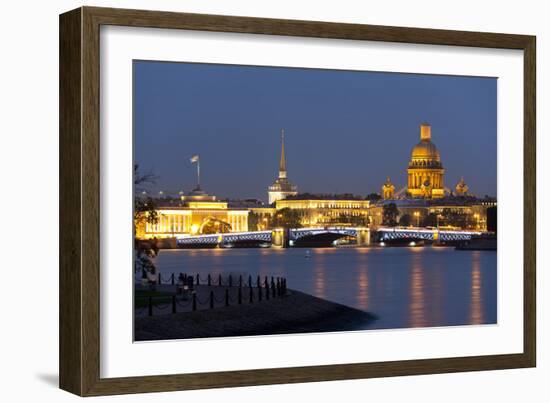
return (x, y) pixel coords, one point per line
(282, 163)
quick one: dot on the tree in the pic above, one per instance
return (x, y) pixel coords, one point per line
(287, 218)
(253, 221)
(373, 197)
(405, 220)
(215, 226)
(390, 212)
(430, 220)
(145, 212)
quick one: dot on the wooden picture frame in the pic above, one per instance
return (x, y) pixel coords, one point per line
(79, 201)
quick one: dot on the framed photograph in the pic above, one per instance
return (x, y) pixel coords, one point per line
(248, 201)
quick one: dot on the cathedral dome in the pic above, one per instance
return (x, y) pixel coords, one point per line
(425, 150)
(425, 153)
(425, 172)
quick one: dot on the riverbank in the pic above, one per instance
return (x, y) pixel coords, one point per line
(296, 312)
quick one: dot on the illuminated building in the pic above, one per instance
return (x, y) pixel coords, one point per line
(328, 211)
(321, 210)
(282, 188)
(448, 212)
(427, 201)
(312, 210)
(197, 213)
(388, 189)
(461, 188)
(425, 171)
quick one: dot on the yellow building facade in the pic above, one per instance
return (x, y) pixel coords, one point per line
(470, 215)
(196, 212)
(321, 212)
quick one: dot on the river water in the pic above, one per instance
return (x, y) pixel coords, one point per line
(403, 286)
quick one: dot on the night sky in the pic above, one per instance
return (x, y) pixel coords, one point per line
(345, 131)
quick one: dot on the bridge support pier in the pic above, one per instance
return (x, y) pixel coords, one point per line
(363, 236)
(279, 238)
(436, 238)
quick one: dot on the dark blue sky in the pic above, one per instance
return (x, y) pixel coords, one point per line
(345, 131)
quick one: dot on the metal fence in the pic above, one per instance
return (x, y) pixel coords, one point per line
(215, 292)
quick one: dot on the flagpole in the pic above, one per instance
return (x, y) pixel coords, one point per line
(198, 173)
(195, 159)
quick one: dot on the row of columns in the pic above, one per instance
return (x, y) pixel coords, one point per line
(170, 223)
(238, 222)
(415, 180)
(179, 223)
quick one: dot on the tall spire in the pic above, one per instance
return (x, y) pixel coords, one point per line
(282, 163)
(282, 188)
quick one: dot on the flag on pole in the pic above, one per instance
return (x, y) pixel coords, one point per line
(195, 159)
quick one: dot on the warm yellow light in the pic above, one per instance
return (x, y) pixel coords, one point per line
(208, 205)
(194, 228)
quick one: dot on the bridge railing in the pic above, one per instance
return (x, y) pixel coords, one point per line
(425, 233)
(214, 239)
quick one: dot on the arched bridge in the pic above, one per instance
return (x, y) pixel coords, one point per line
(327, 236)
(296, 236)
(214, 240)
(276, 237)
(386, 234)
(298, 233)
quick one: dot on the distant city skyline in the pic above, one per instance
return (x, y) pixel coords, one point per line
(345, 131)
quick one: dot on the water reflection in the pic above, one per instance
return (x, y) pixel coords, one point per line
(476, 303)
(319, 275)
(363, 280)
(417, 303)
(404, 287)
(363, 289)
(437, 291)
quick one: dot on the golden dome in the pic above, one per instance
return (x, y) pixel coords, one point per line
(425, 150)
(425, 153)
